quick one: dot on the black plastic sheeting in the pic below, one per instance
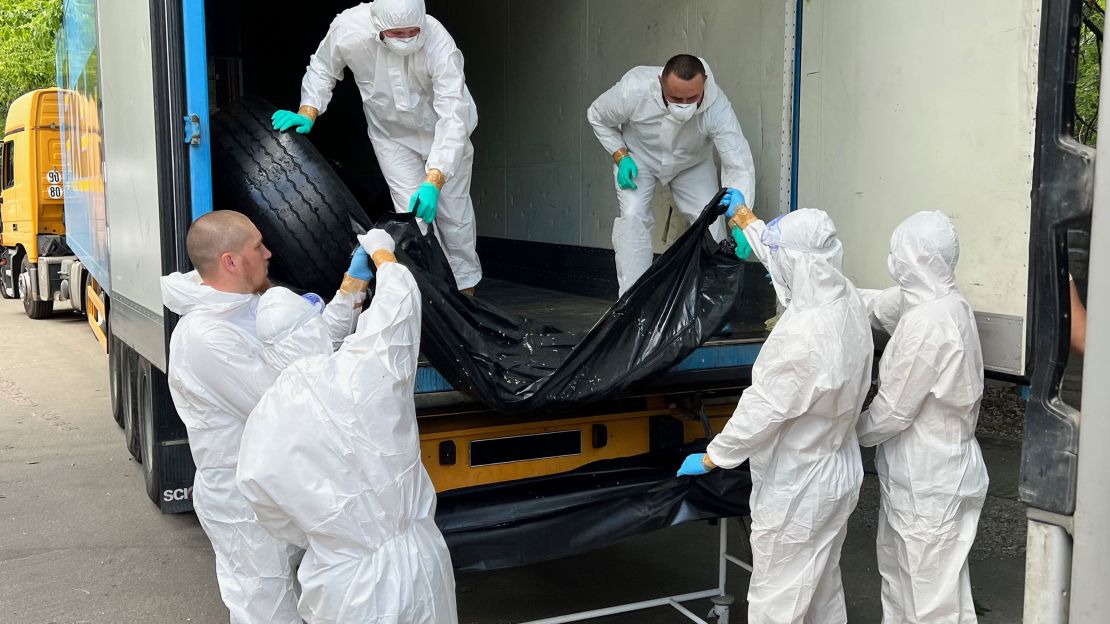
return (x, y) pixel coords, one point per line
(515, 364)
(53, 245)
(522, 522)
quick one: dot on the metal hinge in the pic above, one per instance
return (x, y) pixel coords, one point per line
(192, 129)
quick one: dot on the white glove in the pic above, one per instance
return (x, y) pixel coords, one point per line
(377, 239)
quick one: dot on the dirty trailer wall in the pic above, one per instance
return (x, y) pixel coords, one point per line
(534, 67)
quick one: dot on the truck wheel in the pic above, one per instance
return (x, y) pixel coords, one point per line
(115, 385)
(149, 449)
(9, 274)
(34, 308)
(289, 191)
(130, 400)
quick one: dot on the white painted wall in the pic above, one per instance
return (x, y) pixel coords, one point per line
(910, 106)
(534, 67)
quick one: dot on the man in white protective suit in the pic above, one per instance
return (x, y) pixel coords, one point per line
(419, 115)
(216, 376)
(661, 126)
(931, 473)
(796, 422)
(331, 457)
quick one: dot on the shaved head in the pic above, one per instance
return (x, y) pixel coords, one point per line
(214, 234)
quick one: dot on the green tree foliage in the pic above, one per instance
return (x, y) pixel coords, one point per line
(1088, 74)
(27, 30)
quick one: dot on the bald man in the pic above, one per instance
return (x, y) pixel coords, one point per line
(216, 377)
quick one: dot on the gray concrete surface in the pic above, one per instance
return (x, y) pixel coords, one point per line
(80, 542)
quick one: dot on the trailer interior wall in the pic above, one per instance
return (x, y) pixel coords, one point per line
(535, 66)
(131, 175)
(927, 106)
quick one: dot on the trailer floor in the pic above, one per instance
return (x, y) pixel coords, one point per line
(577, 314)
(80, 542)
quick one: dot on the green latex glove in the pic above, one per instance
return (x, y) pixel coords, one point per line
(424, 201)
(626, 172)
(284, 120)
(743, 248)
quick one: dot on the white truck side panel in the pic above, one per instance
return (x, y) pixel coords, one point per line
(535, 66)
(131, 174)
(910, 106)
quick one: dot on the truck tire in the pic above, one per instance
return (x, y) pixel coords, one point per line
(115, 383)
(289, 191)
(9, 273)
(130, 400)
(148, 443)
(35, 309)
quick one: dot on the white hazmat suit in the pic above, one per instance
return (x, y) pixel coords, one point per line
(331, 459)
(216, 376)
(796, 424)
(419, 112)
(633, 114)
(931, 471)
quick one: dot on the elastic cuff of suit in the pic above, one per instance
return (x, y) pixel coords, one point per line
(743, 218)
(436, 177)
(309, 111)
(382, 256)
(353, 285)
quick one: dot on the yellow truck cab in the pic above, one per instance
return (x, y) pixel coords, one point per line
(35, 263)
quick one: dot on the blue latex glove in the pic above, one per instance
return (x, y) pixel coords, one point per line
(692, 465)
(743, 247)
(360, 265)
(284, 120)
(425, 201)
(626, 173)
(732, 200)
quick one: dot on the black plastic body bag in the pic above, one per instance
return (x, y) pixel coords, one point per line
(510, 524)
(514, 364)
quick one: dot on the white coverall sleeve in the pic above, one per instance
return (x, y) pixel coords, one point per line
(607, 114)
(884, 307)
(737, 165)
(270, 515)
(341, 314)
(390, 327)
(782, 389)
(908, 371)
(754, 234)
(452, 107)
(325, 68)
(230, 371)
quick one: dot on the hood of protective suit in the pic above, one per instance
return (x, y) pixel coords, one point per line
(924, 251)
(183, 293)
(805, 258)
(711, 89)
(290, 328)
(387, 14)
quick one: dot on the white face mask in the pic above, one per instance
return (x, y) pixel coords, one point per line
(402, 46)
(682, 112)
(781, 270)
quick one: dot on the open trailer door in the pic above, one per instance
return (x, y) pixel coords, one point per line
(909, 106)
